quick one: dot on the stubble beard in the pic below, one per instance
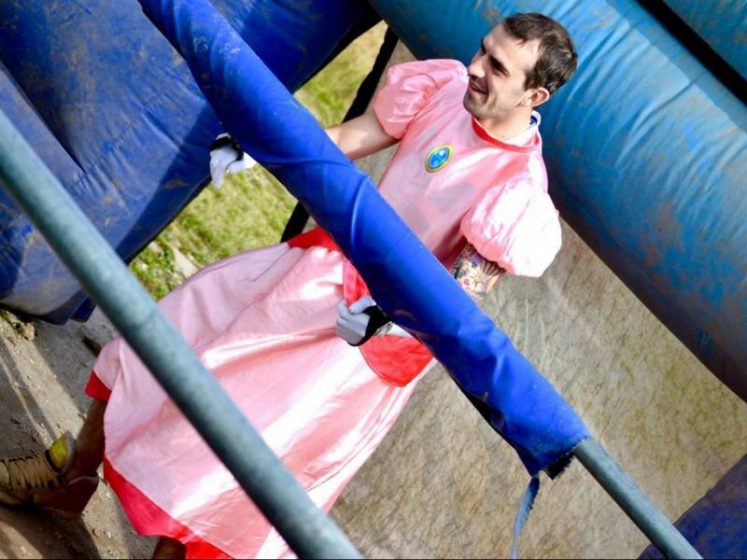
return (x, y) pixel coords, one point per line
(477, 110)
(471, 107)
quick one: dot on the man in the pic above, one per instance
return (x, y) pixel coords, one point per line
(467, 178)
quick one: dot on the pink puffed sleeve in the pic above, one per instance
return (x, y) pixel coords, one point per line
(407, 89)
(516, 227)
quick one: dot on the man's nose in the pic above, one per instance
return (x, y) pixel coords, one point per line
(475, 67)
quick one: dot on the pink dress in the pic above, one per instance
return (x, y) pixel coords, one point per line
(263, 323)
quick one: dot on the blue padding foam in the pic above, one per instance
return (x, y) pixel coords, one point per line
(114, 113)
(716, 524)
(405, 279)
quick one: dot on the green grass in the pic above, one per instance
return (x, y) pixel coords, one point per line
(252, 208)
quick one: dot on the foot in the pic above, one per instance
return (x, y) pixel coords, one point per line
(40, 480)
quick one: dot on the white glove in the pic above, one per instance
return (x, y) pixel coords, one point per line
(226, 156)
(363, 320)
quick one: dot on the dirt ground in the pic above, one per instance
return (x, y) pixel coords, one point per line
(43, 371)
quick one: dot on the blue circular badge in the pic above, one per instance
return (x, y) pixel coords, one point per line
(438, 157)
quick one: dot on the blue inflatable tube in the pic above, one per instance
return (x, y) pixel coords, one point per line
(114, 113)
(647, 157)
(720, 23)
(716, 524)
(406, 280)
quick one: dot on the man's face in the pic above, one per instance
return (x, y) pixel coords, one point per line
(496, 77)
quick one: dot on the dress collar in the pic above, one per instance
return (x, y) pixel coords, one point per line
(485, 135)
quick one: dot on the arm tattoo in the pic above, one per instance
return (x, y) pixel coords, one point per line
(475, 274)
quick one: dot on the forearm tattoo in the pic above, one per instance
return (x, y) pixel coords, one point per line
(476, 274)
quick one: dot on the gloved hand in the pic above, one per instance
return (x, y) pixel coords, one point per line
(226, 156)
(362, 320)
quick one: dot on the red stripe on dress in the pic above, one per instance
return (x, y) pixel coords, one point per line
(96, 389)
(316, 237)
(149, 519)
(395, 359)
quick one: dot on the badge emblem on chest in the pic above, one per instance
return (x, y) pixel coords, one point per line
(438, 157)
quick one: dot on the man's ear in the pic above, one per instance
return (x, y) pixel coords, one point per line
(536, 97)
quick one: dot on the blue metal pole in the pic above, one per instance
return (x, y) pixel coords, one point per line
(172, 362)
(633, 501)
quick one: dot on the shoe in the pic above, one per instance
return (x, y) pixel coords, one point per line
(39, 480)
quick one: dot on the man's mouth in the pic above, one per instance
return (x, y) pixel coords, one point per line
(474, 87)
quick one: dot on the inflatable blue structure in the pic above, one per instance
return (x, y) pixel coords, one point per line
(114, 113)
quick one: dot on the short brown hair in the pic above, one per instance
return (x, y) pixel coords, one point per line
(557, 58)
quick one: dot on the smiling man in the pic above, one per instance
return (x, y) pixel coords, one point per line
(508, 77)
(520, 64)
(468, 178)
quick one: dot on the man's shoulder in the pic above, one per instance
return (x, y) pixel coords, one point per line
(430, 65)
(433, 73)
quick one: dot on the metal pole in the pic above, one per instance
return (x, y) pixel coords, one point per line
(172, 362)
(633, 501)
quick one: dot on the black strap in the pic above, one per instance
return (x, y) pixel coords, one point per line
(378, 320)
(227, 140)
(300, 216)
